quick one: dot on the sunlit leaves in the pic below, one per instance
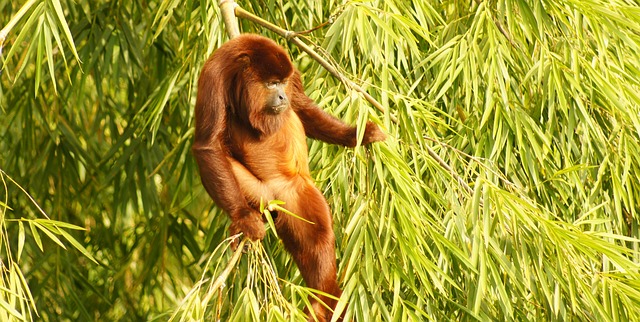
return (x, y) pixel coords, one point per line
(507, 189)
(42, 34)
(16, 299)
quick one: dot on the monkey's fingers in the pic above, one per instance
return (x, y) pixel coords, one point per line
(251, 227)
(373, 133)
(235, 240)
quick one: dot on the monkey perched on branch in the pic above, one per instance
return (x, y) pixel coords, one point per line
(252, 120)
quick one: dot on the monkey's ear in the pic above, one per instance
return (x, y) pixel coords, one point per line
(244, 60)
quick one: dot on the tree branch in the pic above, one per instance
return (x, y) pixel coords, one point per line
(228, 16)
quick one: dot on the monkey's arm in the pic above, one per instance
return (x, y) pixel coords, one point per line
(322, 126)
(217, 176)
(220, 182)
(253, 189)
(216, 171)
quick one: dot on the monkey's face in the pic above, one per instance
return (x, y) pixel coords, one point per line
(276, 100)
(262, 86)
(264, 104)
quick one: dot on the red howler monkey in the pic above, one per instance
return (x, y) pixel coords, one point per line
(252, 119)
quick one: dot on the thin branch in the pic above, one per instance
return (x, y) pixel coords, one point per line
(447, 167)
(480, 161)
(322, 25)
(231, 265)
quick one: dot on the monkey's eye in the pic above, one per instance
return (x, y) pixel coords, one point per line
(271, 85)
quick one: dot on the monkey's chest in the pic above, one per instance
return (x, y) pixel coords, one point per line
(282, 154)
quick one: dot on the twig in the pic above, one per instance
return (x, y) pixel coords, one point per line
(504, 32)
(322, 25)
(447, 167)
(231, 265)
(478, 160)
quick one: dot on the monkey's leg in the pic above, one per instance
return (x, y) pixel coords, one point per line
(312, 245)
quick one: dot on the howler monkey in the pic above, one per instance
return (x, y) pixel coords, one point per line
(252, 119)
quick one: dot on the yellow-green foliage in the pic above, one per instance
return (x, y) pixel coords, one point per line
(508, 188)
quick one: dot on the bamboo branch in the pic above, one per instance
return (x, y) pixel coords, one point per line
(229, 17)
(447, 167)
(231, 265)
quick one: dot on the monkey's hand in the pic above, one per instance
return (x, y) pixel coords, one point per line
(248, 222)
(372, 133)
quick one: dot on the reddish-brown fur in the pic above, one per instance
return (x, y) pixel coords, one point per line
(246, 154)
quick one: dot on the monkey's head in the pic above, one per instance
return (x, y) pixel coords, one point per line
(262, 92)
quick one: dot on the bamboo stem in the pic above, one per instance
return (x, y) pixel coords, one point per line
(229, 17)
